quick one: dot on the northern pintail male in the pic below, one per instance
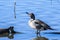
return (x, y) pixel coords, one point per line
(37, 24)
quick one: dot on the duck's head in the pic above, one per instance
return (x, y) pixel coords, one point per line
(11, 27)
(32, 16)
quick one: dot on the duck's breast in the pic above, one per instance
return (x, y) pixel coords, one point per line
(32, 24)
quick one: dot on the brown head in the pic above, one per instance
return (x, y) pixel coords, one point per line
(32, 16)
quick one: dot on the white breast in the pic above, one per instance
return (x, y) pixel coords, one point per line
(32, 24)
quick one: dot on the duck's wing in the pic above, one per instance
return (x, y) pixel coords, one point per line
(44, 25)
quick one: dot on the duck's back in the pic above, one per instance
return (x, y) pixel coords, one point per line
(42, 24)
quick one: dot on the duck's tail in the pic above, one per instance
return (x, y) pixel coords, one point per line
(51, 29)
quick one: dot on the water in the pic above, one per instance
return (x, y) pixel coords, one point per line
(43, 10)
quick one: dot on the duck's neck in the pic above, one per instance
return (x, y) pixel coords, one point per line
(32, 18)
(10, 31)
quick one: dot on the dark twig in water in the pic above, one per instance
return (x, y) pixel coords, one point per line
(51, 2)
(15, 10)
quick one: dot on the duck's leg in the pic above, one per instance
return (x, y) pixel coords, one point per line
(37, 32)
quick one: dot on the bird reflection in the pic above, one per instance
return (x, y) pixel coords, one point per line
(40, 38)
(8, 32)
(7, 35)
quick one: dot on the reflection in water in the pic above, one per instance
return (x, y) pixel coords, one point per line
(52, 33)
(40, 38)
(7, 35)
(9, 32)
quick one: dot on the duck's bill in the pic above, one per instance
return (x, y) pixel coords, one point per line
(27, 13)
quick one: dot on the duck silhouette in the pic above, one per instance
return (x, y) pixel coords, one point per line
(8, 32)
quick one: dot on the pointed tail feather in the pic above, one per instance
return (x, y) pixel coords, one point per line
(51, 29)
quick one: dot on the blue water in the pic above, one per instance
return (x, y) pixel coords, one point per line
(45, 10)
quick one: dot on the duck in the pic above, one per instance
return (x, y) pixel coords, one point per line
(7, 30)
(37, 24)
